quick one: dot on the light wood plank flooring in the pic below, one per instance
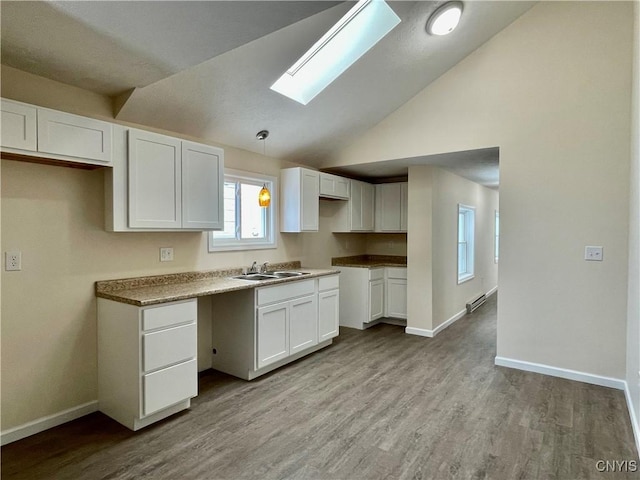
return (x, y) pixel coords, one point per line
(378, 404)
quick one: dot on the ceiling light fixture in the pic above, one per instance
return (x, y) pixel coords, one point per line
(264, 196)
(360, 29)
(444, 19)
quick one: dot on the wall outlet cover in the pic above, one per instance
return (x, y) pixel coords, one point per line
(166, 254)
(13, 261)
(593, 253)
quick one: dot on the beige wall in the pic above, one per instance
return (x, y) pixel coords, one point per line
(633, 309)
(449, 298)
(553, 93)
(55, 216)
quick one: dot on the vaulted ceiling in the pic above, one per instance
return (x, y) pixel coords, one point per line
(204, 68)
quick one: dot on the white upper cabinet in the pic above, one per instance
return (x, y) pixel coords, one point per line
(333, 186)
(70, 135)
(18, 125)
(40, 132)
(155, 180)
(162, 183)
(202, 175)
(391, 207)
(299, 200)
(357, 215)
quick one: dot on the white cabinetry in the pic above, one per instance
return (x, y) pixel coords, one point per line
(370, 294)
(358, 213)
(396, 292)
(391, 207)
(147, 367)
(299, 200)
(38, 132)
(162, 183)
(333, 186)
(256, 331)
(328, 307)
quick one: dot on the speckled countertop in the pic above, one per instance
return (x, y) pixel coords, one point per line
(142, 291)
(370, 261)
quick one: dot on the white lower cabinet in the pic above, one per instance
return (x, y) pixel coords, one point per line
(256, 331)
(370, 294)
(147, 366)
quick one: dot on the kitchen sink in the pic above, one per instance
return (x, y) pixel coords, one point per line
(269, 275)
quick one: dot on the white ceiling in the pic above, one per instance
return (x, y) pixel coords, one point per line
(204, 68)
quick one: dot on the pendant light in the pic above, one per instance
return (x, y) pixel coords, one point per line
(264, 197)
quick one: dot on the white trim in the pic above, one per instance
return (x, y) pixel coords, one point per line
(45, 423)
(492, 291)
(632, 414)
(421, 332)
(610, 382)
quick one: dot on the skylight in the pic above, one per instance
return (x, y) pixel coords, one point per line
(360, 29)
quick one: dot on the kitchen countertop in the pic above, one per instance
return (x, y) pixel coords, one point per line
(370, 261)
(143, 291)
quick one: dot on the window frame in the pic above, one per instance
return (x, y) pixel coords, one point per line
(469, 213)
(270, 241)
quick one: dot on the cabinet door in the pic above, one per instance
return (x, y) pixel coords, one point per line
(155, 181)
(333, 186)
(396, 305)
(303, 324)
(389, 204)
(202, 184)
(18, 123)
(310, 208)
(272, 332)
(328, 314)
(376, 299)
(356, 205)
(64, 134)
(404, 206)
(368, 198)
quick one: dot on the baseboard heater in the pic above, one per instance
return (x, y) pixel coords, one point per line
(476, 302)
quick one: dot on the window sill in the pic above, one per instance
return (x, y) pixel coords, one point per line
(228, 248)
(465, 279)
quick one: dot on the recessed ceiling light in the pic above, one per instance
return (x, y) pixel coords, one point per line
(444, 19)
(359, 30)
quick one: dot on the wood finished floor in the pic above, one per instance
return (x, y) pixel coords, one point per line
(378, 404)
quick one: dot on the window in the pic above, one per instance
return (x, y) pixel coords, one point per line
(247, 225)
(496, 245)
(466, 221)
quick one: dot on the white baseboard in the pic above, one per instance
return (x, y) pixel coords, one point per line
(632, 414)
(45, 423)
(492, 291)
(432, 333)
(561, 373)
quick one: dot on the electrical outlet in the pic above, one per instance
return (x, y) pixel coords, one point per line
(593, 254)
(13, 261)
(166, 254)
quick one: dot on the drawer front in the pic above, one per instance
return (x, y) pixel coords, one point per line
(397, 272)
(329, 283)
(376, 273)
(170, 346)
(289, 290)
(167, 387)
(169, 314)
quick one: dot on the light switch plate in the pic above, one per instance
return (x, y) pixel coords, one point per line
(593, 254)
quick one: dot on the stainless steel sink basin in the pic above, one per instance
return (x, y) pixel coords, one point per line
(269, 275)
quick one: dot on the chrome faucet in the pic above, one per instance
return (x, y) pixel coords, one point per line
(253, 268)
(264, 267)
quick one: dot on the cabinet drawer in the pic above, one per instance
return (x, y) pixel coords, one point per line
(166, 347)
(328, 283)
(396, 272)
(284, 292)
(376, 273)
(70, 135)
(167, 387)
(169, 314)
